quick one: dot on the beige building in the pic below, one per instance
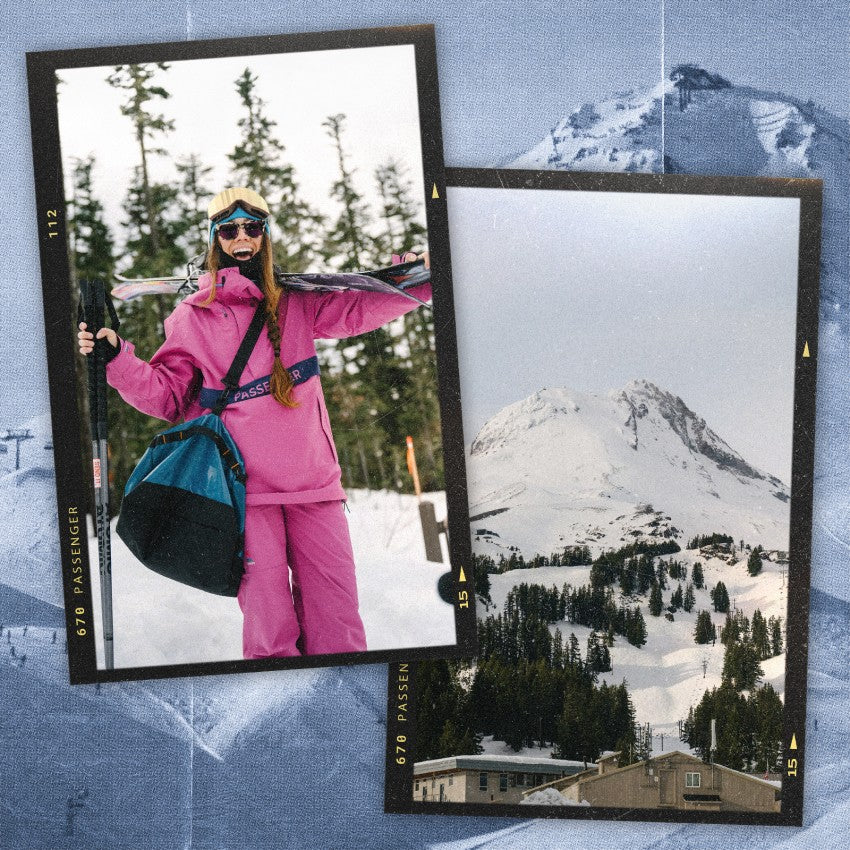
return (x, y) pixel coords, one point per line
(673, 780)
(485, 778)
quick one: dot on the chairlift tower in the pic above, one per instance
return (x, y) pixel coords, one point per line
(19, 437)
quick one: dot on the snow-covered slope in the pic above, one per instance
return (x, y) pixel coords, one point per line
(563, 468)
(728, 129)
(30, 558)
(666, 677)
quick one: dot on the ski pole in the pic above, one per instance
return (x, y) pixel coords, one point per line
(93, 303)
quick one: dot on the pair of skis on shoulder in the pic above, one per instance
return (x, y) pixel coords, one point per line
(395, 279)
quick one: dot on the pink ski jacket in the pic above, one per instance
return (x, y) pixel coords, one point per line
(289, 453)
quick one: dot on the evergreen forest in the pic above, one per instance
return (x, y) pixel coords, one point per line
(379, 387)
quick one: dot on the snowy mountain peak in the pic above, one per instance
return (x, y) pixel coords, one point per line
(566, 468)
(512, 421)
(749, 131)
(642, 397)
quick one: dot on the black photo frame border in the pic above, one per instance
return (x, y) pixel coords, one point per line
(71, 477)
(401, 688)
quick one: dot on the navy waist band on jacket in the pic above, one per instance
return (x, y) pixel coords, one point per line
(300, 372)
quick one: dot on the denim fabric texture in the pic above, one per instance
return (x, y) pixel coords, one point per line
(295, 759)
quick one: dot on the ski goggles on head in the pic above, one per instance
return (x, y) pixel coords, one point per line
(225, 203)
(230, 230)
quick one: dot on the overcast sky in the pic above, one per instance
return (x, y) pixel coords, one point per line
(589, 290)
(375, 87)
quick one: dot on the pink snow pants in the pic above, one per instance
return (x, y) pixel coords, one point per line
(316, 611)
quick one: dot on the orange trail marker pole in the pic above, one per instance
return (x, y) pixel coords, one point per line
(412, 469)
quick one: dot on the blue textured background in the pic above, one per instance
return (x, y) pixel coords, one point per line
(303, 763)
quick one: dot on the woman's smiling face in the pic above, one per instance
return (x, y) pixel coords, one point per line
(242, 246)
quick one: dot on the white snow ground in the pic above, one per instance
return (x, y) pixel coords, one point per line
(158, 621)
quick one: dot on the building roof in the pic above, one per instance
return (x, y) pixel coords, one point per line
(698, 762)
(527, 764)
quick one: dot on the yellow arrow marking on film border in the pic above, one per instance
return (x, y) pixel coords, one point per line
(462, 575)
(806, 349)
(793, 742)
(434, 193)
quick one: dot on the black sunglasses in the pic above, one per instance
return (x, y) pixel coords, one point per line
(252, 229)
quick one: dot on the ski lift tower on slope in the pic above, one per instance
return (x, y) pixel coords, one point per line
(19, 437)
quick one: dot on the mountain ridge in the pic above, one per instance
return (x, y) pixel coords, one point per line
(561, 468)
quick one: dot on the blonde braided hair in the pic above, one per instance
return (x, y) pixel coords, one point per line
(281, 384)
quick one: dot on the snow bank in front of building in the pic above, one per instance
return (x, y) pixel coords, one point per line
(549, 797)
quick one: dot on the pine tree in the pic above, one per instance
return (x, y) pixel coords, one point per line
(645, 574)
(754, 563)
(689, 599)
(759, 636)
(656, 603)
(347, 243)
(558, 650)
(628, 577)
(734, 741)
(697, 576)
(741, 668)
(155, 226)
(418, 402)
(91, 244)
(444, 723)
(766, 713)
(662, 575)
(704, 629)
(720, 598)
(193, 198)
(636, 634)
(152, 244)
(775, 624)
(677, 598)
(403, 229)
(258, 162)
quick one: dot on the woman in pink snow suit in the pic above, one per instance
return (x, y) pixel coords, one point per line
(294, 521)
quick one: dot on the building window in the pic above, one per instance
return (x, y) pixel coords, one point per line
(417, 785)
(503, 781)
(451, 780)
(424, 793)
(692, 780)
(482, 781)
(513, 780)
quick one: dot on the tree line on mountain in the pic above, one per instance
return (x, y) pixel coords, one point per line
(748, 713)
(528, 704)
(714, 539)
(530, 687)
(510, 634)
(749, 727)
(379, 387)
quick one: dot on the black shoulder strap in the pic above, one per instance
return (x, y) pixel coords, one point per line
(234, 373)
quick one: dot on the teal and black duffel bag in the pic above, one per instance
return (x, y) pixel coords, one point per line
(183, 511)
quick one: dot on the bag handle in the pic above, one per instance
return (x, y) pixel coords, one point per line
(234, 373)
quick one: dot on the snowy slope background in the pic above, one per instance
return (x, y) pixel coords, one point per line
(132, 786)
